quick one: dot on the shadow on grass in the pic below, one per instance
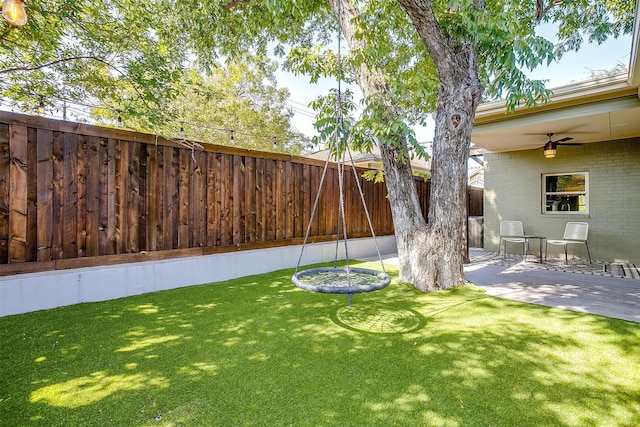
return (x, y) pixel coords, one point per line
(258, 351)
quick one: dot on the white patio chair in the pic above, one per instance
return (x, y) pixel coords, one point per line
(513, 232)
(574, 233)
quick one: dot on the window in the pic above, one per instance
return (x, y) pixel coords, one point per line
(565, 193)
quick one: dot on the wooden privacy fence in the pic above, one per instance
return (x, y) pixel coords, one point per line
(74, 195)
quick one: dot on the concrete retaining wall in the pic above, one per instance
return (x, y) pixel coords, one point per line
(40, 291)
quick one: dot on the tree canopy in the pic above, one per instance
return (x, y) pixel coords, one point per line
(134, 60)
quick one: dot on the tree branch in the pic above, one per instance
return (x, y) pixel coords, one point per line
(58, 61)
(542, 10)
(233, 3)
(76, 58)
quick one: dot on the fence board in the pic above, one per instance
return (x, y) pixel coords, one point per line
(213, 238)
(226, 193)
(57, 248)
(44, 215)
(170, 198)
(199, 200)
(270, 209)
(183, 196)
(218, 202)
(152, 198)
(132, 197)
(70, 196)
(238, 200)
(261, 232)
(250, 199)
(92, 197)
(141, 154)
(160, 194)
(4, 193)
(102, 197)
(81, 177)
(32, 195)
(280, 200)
(18, 193)
(111, 197)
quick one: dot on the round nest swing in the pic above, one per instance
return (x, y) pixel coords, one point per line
(341, 280)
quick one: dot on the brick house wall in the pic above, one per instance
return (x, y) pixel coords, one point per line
(513, 191)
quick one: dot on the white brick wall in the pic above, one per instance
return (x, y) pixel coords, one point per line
(513, 191)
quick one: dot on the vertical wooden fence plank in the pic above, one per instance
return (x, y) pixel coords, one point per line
(270, 203)
(238, 200)
(170, 199)
(112, 195)
(57, 244)
(331, 203)
(70, 196)
(200, 203)
(4, 192)
(296, 192)
(250, 199)
(92, 197)
(81, 181)
(133, 198)
(153, 193)
(141, 154)
(212, 203)
(119, 197)
(281, 200)
(183, 191)
(229, 200)
(310, 191)
(32, 195)
(44, 154)
(18, 183)
(261, 231)
(288, 201)
(161, 195)
(102, 196)
(218, 212)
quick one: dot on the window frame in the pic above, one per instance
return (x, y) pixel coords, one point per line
(546, 193)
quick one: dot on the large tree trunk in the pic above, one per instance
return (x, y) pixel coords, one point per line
(458, 98)
(430, 253)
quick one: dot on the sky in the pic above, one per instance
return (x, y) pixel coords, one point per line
(573, 67)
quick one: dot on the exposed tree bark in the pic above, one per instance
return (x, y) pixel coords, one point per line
(429, 253)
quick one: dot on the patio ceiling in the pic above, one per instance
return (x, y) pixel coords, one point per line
(592, 111)
(608, 113)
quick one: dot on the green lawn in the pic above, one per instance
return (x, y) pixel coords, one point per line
(257, 351)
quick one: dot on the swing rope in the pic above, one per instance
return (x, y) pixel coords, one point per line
(340, 280)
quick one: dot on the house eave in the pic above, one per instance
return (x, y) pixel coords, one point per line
(582, 93)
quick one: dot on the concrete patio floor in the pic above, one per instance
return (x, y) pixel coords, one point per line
(578, 286)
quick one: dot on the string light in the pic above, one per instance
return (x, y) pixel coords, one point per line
(182, 133)
(40, 108)
(120, 122)
(231, 132)
(13, 12)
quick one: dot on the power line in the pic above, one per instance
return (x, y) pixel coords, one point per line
(79, 110)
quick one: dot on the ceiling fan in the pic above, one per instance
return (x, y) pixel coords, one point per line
(551, 146)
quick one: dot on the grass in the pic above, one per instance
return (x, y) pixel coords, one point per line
(257, 351)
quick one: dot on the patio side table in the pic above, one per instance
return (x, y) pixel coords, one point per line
(541, 239)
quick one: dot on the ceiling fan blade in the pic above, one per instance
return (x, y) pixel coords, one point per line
(577, 144)
(568, 138)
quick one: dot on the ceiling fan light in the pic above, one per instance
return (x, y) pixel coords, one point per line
(549, 150)
(13, 12)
